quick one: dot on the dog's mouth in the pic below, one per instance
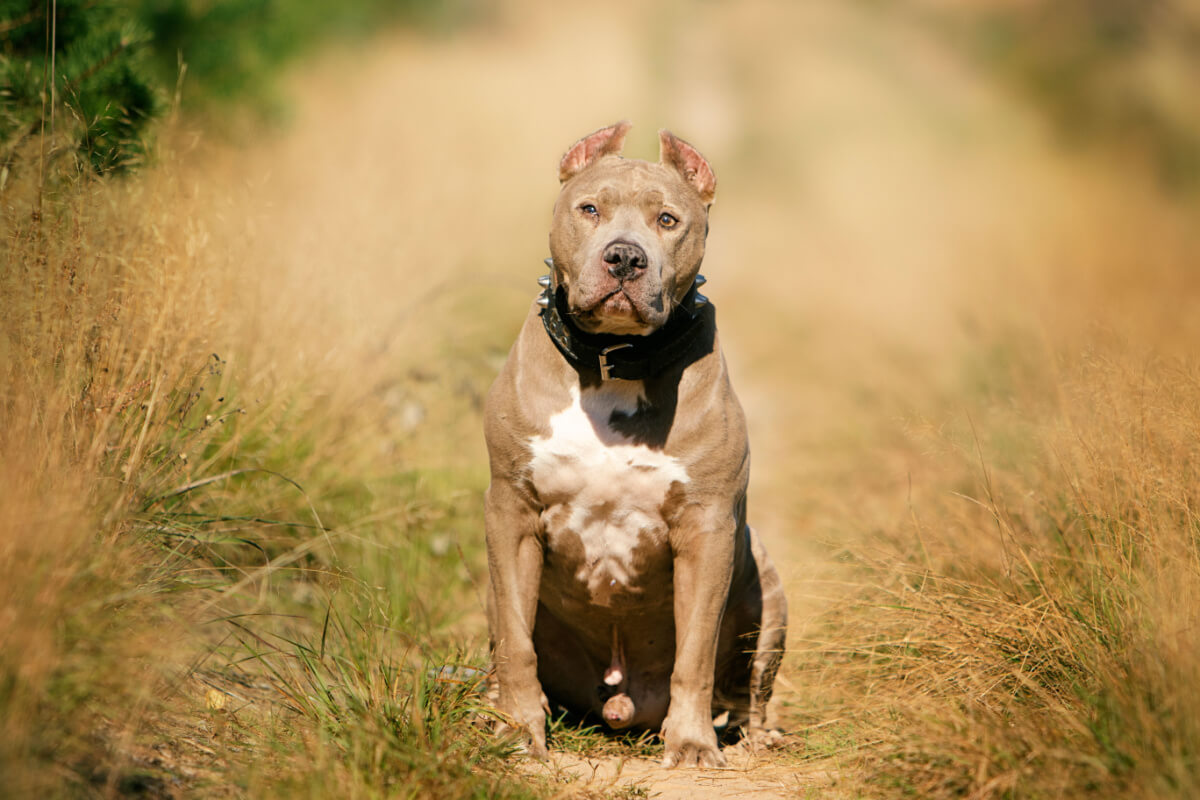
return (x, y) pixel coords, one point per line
(618, 303)
(615, 312)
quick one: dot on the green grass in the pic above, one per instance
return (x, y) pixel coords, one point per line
(588, 737)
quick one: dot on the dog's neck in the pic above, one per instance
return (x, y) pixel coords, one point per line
(627, 357)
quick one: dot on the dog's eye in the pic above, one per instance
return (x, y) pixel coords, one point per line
(589, 209)
(667, 221)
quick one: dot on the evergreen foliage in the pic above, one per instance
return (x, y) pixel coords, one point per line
(91, 75)
(75, 71)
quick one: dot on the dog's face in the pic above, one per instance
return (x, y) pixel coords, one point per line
(628, 236)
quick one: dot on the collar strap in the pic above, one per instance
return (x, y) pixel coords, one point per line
(630, 358)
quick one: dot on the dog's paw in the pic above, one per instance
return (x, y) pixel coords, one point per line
(532, 738)
(535, 749)
(695, 754)
(756, 741)
(691, 746)
(525, 719)
(764, 738)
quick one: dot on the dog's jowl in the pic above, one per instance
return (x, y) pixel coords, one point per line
(625, 580)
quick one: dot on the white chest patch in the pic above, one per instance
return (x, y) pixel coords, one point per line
(600, 487)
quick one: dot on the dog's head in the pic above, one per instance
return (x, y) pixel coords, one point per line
(628, 235)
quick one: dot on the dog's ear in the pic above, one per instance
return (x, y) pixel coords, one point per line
(691, 165)
(604, 142)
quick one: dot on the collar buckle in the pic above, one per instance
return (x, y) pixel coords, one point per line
(605, 367)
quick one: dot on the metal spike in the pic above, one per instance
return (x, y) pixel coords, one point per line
(549, 262)
(701, 300)
(544, 281)
(543, 300)
(700, 281)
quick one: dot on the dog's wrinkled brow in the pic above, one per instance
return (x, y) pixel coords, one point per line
(611, 195)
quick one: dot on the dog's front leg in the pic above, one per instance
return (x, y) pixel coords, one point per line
(515, 556)
(703, 560)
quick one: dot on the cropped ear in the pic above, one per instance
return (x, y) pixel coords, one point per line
(677, 153)
(604, 142)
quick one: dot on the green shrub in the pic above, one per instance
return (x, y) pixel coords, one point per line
(89, 79)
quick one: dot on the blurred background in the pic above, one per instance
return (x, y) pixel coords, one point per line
(254, 238)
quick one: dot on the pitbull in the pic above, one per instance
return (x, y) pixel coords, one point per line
(625, 581)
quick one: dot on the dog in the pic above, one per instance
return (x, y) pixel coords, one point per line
(625, 580)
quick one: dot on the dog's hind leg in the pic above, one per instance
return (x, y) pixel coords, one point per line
(772, 639)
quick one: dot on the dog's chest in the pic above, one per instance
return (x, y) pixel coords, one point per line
(604, 495)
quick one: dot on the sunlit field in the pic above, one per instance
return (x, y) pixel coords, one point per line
(241, 452)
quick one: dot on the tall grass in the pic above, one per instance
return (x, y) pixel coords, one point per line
(207, 579)
(1029, 628)
(93, 345)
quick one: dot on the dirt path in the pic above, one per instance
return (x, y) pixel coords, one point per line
(748, 777)
(410, 196)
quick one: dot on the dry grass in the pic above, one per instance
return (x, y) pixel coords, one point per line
(201, 560)
(94, 349)
(1032, 634)
(974, 413)
(1026, 627)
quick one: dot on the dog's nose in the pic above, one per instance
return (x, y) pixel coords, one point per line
(624, 260)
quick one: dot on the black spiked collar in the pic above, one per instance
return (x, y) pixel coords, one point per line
(624, 357)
